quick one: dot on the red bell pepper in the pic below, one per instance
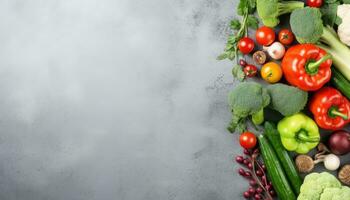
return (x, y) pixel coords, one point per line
(307, 66)
(330, 108)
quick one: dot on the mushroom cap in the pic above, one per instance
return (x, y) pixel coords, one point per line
(344, 174)
(304, 163)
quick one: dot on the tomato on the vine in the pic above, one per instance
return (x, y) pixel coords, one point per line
(247, 140)
(246, 45)
(314, 3)
(285, 36)
(265, 35)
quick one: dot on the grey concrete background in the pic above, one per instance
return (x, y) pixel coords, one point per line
(115, 99)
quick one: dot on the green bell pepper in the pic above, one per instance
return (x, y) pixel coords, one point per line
(299, 133)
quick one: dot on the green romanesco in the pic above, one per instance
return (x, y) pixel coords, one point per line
(247, 99)
(323, 186)
(342, 193)
(286, 99)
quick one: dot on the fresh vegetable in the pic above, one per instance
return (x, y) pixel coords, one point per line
(287, 163)
(285, 36)
(271, 72)
(339, 142)
(250, 70)
(299, 133)
(255, 172)
(307, 26)
(304, 163)
(265, 35)
(340, 82)
(245, 9)
(287, 100)
(238, 72)
(247, 99)
(314, 3)
(242, 62)
(344, 28)
(276, 50)
(323, 186)
(329, 12)
(344, 174)
(246, 45)
(259, 57)
(330, 108)
(275, 170)
(331, 161)
(307, 67)
(335, 193)
(247, 140)
(270, 10)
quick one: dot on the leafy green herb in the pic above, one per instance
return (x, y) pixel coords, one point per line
(238, 73)
(329, 12)
(246, 9)
(235, 24)
(338, 21)
(253, 22)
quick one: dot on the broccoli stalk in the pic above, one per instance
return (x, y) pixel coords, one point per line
(313, 31)
(270, 10)
(339, 51)
(247, 102)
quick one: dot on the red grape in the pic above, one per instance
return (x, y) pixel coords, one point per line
(239, 159)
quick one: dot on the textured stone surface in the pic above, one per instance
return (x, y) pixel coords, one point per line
(115, 99)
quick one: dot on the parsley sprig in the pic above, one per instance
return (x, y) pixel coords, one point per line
(246, 9)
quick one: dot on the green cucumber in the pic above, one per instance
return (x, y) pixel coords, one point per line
(340, 82)
(287, 163)
(275, 170)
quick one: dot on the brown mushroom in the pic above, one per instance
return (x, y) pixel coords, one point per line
(304, 163)
(259, 57)
(321, 148)
(344, 174)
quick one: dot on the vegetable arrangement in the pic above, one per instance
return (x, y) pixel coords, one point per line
(305, 70)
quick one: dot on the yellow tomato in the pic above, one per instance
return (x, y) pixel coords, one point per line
(271, 72)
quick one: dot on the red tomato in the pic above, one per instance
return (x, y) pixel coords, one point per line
(246, 45)
(285, 36)
(265, 36)
(314, 3)
(250, 70)
(247, 140)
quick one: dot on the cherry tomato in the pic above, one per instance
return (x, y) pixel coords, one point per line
(250, 70)
(271, 72)
(246, 45)
(285, 36)
(247, 140)
(242, 63)
(314, 3)
(265, 36)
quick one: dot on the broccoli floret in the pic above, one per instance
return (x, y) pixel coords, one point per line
(335, 193)
(286, 99)
(315, 184)
(307, 26)
(270, 10)
(310, 30)
(247, 99)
